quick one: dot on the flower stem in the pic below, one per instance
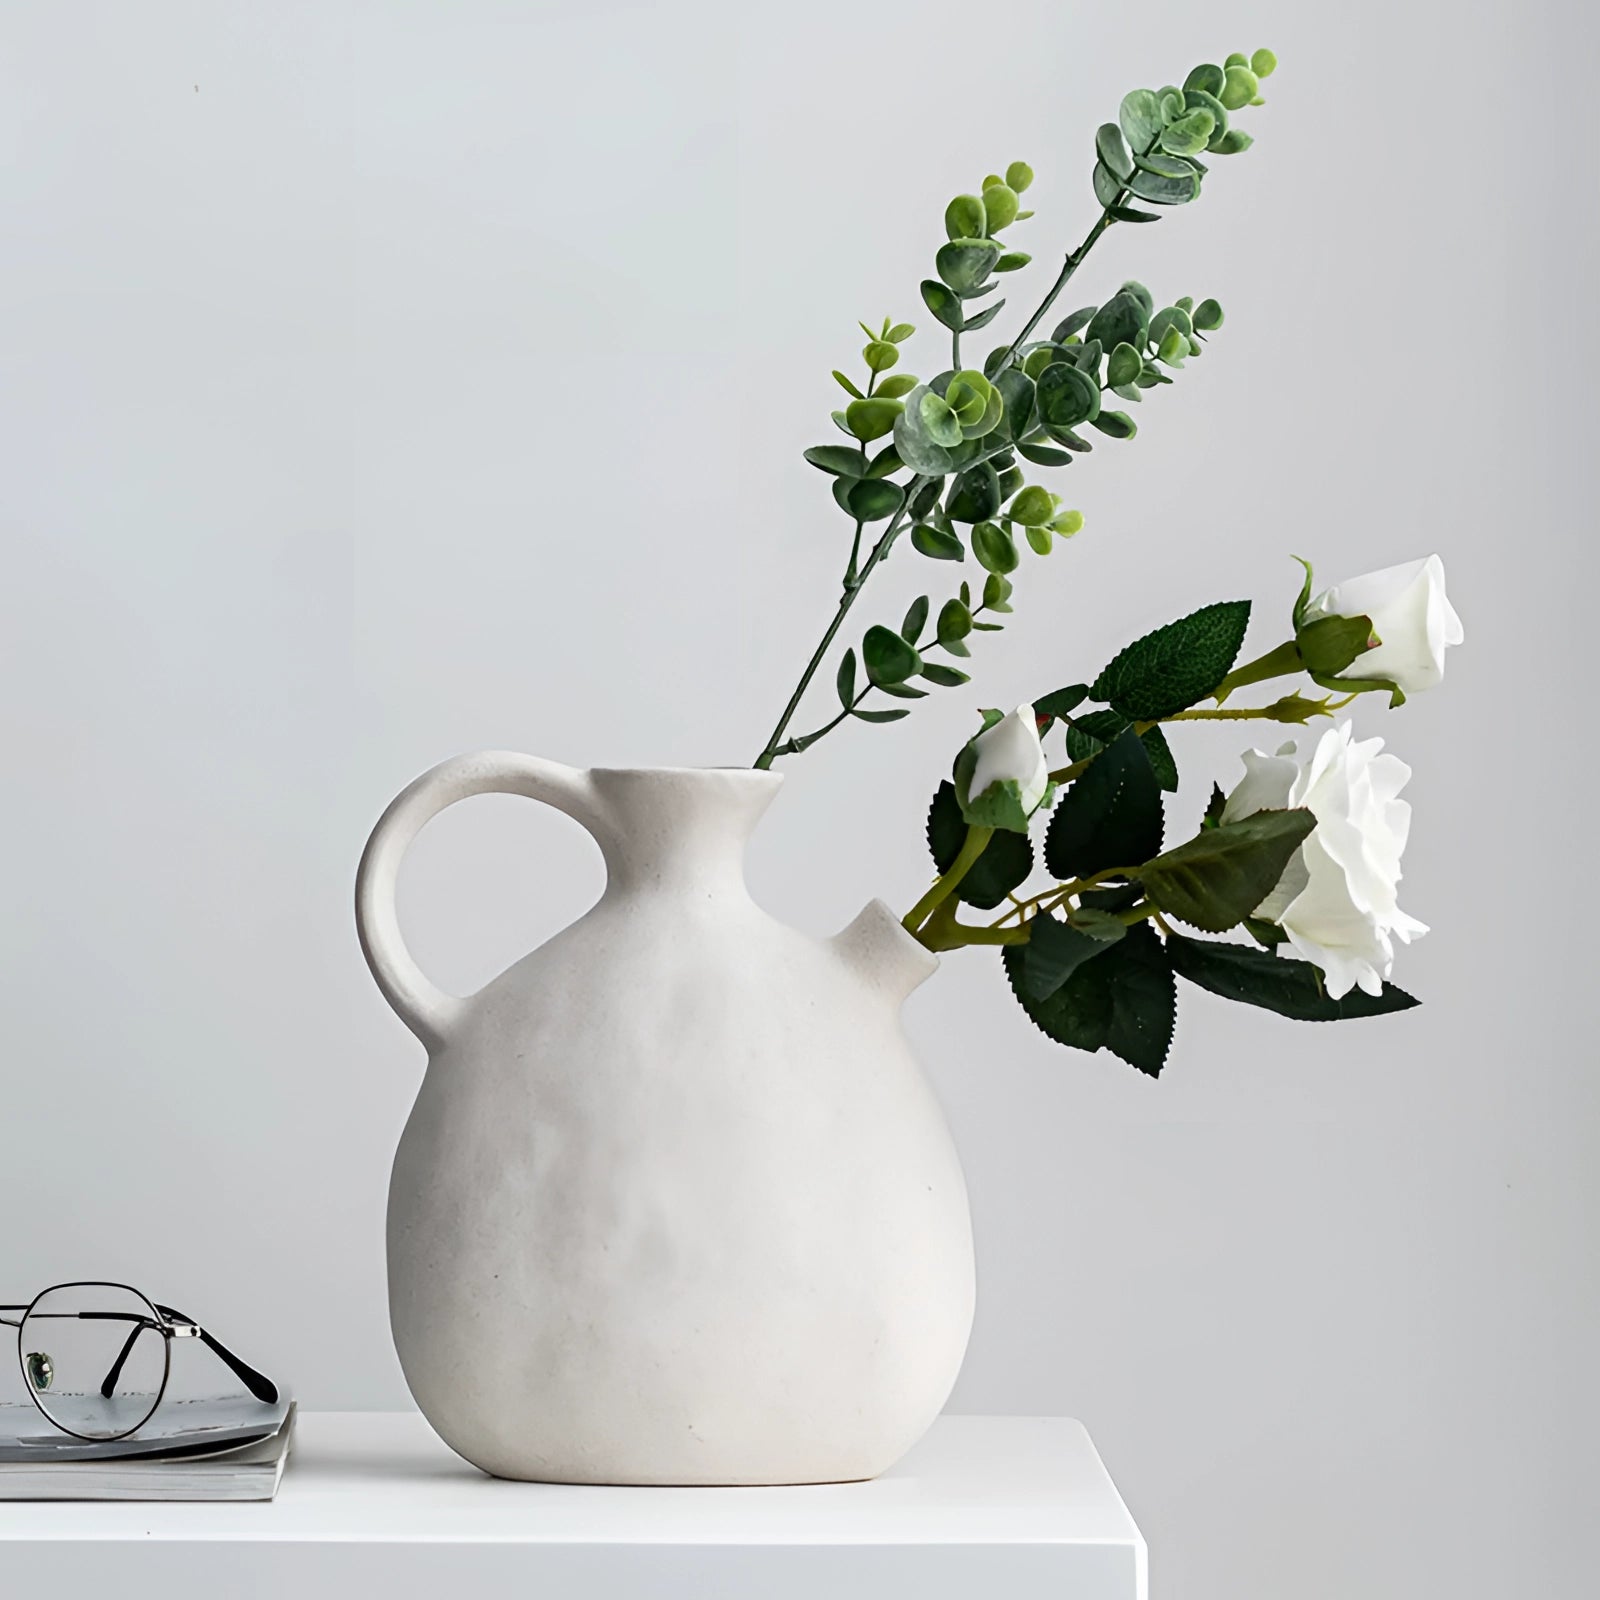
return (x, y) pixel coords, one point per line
(946, 884)
(1276, 663)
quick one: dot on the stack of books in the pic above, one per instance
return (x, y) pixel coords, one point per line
(205, 1449)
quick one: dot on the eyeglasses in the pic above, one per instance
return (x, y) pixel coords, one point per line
(96, 1357)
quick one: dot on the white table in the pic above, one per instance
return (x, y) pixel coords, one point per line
(372, 1504)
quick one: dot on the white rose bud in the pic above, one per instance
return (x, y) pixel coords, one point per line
(1411, 615)
(1336, 900)
(1011, 750)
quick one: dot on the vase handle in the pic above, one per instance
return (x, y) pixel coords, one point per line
(419, 1003)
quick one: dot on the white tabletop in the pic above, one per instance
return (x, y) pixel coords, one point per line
(1014, 1505)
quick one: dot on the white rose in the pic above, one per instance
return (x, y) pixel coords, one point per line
(1336, 900)
(1411, 615)
(1011, 750)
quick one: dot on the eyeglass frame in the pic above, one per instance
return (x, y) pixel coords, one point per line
(169, 1322)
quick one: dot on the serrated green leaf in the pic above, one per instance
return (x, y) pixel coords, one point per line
(1091, 733)
(1218, 878)
(1291, 988)
(1172, 668)
(1059, 702)
(1007, 859)
(1055, 950)
(1123, 1000)
(1108, 817)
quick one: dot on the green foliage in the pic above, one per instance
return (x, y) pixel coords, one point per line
(915, 620)
(938, 544)
(1113, 151)
(1172, 668)
(887, 657)
(1289, 987)
(943, 302)
(838, 459)
(1061, 702)
(1218, 878)
(1207, 316)
(1122, 1000)
(1108, 817)
(1089, 734)
(994, 548)
(1006, 862)
(975, 495)
(845, 679)
(1056, 949)
(871, 419)
(966, 217)
(963, 264)
(872, 499)
(1331, 644)
(1123, 319)
(1065, 396)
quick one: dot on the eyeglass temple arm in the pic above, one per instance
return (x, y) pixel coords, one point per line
(12, 1322)
(261, 1386)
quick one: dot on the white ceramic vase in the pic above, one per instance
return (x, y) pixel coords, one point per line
(675, 1205)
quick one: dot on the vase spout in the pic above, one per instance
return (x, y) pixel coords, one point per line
(878, 948)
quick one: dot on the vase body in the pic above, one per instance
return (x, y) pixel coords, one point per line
(674, 1205)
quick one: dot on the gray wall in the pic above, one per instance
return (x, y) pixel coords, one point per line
(382, 381)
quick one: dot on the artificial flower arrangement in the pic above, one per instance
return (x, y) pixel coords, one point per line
(1304, 855)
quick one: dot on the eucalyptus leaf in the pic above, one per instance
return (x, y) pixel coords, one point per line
(887, 657)
(838, 459)
(974, 495)
(943, 302)
(1140, 117)
(1123, 319)
(1113, 150)
(1207, 76)
(945, 677)
(880, 716)
(845, 680)
(1124, 365)
(873, 499)
(1190, 134)
(1163, 191)
(1064, 396)
(1108, 186)
(1115, 424)
(912, 442)
(871, 419)
(964, 264)
(915, 620)
(983, 318)
(994, 548)
(936, 543)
